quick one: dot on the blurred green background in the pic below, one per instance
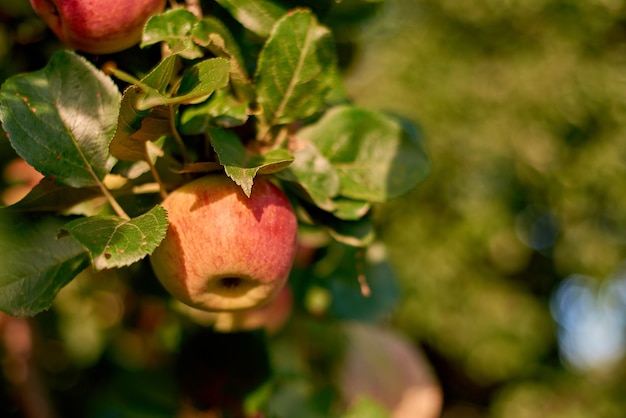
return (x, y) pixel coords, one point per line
(510, 256)
(511, 253)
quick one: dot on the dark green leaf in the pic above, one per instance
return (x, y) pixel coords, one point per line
(240, 164)
(36, 264)
(173, 27)
(221, 109)
(356, 233)
(375, 156)
(359, 233)
(363, 286)
(47, 196)
(201, 80)
(258, 16)
(60, 119)
(295, 69)
(115, 242)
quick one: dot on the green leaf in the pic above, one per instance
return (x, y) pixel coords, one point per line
(376, 157)
(115, 242)
(196, 85)
(47, 196)
(201, 80)
(358, 233)
(356, 268)
(36, 264)
(136, 127)
(295, 69)
(258, 16)
(141, 117)
(240, 164)
(173, 27)
(355, 233)
(314, 173)
(61, 119)
(215, 36)
(222, 109)
(350, 210)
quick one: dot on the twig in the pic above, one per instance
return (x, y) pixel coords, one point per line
(155, 174)
(176, 135)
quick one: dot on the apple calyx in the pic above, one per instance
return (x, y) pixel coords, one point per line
(223, 250)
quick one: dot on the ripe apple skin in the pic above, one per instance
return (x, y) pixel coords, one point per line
(98, 26)
(223, 250)
(381, 364)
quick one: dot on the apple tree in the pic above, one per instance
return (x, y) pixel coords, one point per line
(249, 92)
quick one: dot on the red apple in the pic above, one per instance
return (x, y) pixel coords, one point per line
(98, 26)
(21, 178)
(383, 366)
(223, 250)
(271, 317)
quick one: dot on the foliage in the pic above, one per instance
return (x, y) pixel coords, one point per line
(252, 89)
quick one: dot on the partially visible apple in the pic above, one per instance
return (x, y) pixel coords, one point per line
(223, 250)
(385, 367)
(21, 178)
(270, 317)
(98, 26)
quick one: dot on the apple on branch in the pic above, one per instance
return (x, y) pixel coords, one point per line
(223, 250)
(98, 26)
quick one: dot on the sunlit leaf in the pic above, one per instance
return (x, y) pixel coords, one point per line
(215, 36)
(115, 242)
(376, 157)
(60, 119)
(295, 69)
(242, 165)
(173, 27)
(349, 209)
(314, 173)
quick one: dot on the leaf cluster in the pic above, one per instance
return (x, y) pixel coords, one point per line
(258, 94)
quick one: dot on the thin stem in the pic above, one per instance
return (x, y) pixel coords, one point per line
(111, 69)
(176, 135)
(156, 175)
(116, 206)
